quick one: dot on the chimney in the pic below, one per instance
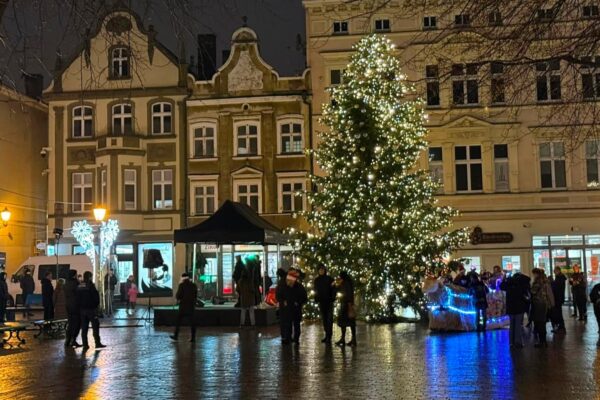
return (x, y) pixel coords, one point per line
(225, 55)
(34, 85)
(207, 56)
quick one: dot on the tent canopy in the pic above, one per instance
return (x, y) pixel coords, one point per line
(232, 223)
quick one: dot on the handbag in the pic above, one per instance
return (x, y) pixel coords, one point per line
(351, 311)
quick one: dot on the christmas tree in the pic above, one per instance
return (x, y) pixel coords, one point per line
(372, 213)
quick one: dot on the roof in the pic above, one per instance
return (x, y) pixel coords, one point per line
(232, 223)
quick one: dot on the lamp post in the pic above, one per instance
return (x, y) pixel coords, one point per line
(99, 215)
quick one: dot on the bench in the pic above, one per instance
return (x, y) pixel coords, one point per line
(53, 327)
(14, 329)
(11, 312)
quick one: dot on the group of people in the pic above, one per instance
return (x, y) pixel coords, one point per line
(248, 283)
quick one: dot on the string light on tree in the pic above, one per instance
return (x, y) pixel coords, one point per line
(373, 213)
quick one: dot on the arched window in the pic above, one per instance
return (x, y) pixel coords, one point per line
(120, 62)
(82, 119)
(161, 119)
(122, 119)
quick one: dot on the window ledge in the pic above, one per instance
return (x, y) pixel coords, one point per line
(119, 78)
(81, 139)
(290, 155)
(553, 101)
(255, 157)
(469, 192)
(558, 189)
(203, 159)
(159, 136)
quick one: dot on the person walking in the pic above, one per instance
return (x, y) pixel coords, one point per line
(247, 293)
(347, 310)
(187, 292)
(132, 294)
(542, 301)
(291, 297)
(73, 311)
(48, 296)
(517, 290)
(110, 282)
(59, 301)
(325, 296)
(88, 299)
(595, 299)
(558, 291)
(479, 291)
(3, 297)
(578, 288)
(27, 287)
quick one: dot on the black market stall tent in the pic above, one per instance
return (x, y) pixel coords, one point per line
(232, 224)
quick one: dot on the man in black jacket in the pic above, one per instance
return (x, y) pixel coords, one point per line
(595, 299)
(88, 300)
(579, 288)
(110, 281)
(27, 288)
(558, 290)
(73, 312)
(291, 296)
(187, 292)
(48, 296)
(3, 296)
(518, 295)
(325, 296)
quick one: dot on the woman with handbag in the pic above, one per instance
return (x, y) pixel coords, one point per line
(347, 311)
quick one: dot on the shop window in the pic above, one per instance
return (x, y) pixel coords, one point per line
(511, 264)
(548, 80)
(155, 269)
(436, 167)
(468, 170)
(501, 167)
(432, 77)
(552, 165)
(472, 263)
(465, 85)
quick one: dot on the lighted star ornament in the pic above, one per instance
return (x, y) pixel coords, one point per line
(373, 213)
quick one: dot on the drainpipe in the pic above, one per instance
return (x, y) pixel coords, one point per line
(307, 99)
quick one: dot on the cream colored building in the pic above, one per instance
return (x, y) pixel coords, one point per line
(116, 130)
(23, 127)
(504, 173)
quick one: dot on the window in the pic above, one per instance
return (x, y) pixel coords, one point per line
(82, 122)
(592, 161)
(204, 141)
(548, 80)
(436, 167)
(429, 22)
(552, 165)
(465, 87)
(290, 136)
(336, 76)
(382, 25)
(495, 18)
(162, 189)
(120, 63)
(468, 168)
(130, 189)
(545, 14)
(247, 139)
(103, 187)
(249, 193)
(291, 197)
(161, 118)
(501, 169)
(497, 83)
(511, 263)
(122, 120)
(590, 11)
(205, 198)
(432, 77)
(340, 27)
(82, 191)
(462, 20)
(590, 77)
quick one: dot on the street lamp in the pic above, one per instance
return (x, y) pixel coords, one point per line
(5, 216)
(99, 213)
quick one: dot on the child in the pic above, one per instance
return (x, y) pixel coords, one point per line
(132, 295)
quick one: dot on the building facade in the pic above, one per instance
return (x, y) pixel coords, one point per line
(529, 201)
(117, 136)
(248, 130)
(23, 190)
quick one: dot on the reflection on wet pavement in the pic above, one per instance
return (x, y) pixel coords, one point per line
(402, 361)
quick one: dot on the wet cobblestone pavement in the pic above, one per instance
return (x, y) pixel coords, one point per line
(403, 361)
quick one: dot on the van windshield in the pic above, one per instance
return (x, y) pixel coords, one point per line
(21, 271)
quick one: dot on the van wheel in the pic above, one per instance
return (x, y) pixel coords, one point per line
(10, 302)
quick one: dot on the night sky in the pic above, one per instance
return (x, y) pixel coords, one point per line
(32, 31)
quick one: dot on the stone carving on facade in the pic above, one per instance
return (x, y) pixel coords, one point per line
(245, 75)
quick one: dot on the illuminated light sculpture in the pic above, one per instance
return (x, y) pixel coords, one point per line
(108, 234)
(84, 234)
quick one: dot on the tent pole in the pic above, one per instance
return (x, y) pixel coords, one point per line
(279, 264)
(194, 262)
(265, 268)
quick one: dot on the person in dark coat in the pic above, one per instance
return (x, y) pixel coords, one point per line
(542, 301)
(325, 296)
(291, 296)
(347, 311)
(558, 290)
(578, 288)
(3, 296)
(595, 299)
(247, 292)
(518, 296)
(27, 288)
(59, 302)
(48, 297)
(461, 278)
(73, 311)
(238, 269)
(187, 292)
(88, 300)
(479, 291)
(110, 282)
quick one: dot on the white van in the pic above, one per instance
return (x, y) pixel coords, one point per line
(40, 265)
